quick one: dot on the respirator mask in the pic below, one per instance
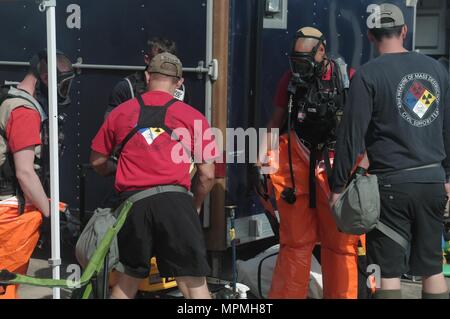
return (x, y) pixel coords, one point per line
(303, 64)
(64, 79)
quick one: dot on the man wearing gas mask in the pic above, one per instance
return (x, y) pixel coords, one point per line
(310, 99)
(64, 85)
(23, 200)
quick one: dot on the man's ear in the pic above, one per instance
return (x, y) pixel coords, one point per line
(180, 82)
(404, 32)
(320, 55)
(322, 50)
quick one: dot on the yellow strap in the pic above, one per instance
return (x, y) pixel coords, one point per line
(232, 234)
(361, 251)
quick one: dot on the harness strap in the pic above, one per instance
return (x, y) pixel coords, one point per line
(167, 105)
(329, 171)
(142, 121)
(291, 166)
(8, 179)
(141, 125)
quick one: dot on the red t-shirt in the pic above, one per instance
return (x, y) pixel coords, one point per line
(282, 97)
(146, 161)
(23, 129)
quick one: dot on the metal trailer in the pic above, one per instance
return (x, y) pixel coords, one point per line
(234, 53)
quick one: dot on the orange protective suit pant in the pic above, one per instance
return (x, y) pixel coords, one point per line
(19, 235)
(301, 228)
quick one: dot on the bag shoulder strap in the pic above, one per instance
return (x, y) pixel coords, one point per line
(392, 234)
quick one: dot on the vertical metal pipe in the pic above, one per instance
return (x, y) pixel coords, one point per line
(53, 141)
(257, 67)
(208, 92)
(209, 57)
(233, 248)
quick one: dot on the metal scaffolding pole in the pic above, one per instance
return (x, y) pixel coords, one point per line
(49, 7)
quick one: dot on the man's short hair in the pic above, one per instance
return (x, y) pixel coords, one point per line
(389, 33)
(162, 77)
(158, 45)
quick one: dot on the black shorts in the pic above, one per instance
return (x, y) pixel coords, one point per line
(167, 227)
(415, 211)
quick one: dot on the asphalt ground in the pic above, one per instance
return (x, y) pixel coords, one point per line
(40, 268)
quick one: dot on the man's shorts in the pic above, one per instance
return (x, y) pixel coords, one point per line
(416, 212)
(166, 226)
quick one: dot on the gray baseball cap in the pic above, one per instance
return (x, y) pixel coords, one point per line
(388, 16)
(167, 64)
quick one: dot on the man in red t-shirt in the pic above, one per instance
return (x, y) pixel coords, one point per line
(21, 116)
(305, 218)
(165, 225)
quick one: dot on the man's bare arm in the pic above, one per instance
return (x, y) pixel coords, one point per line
(102, 165)
(29, 180)
(203, 183)
(276, 122)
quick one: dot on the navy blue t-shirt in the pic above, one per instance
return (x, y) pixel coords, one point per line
(398, 109)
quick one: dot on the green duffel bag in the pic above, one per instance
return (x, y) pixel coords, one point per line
(357, 211)
(102, 220)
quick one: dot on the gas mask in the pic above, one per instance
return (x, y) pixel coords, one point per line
(64, 79)
(304, 67)
(64, 84)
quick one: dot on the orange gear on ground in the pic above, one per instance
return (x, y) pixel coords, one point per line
(19, 235)
(301, 228)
